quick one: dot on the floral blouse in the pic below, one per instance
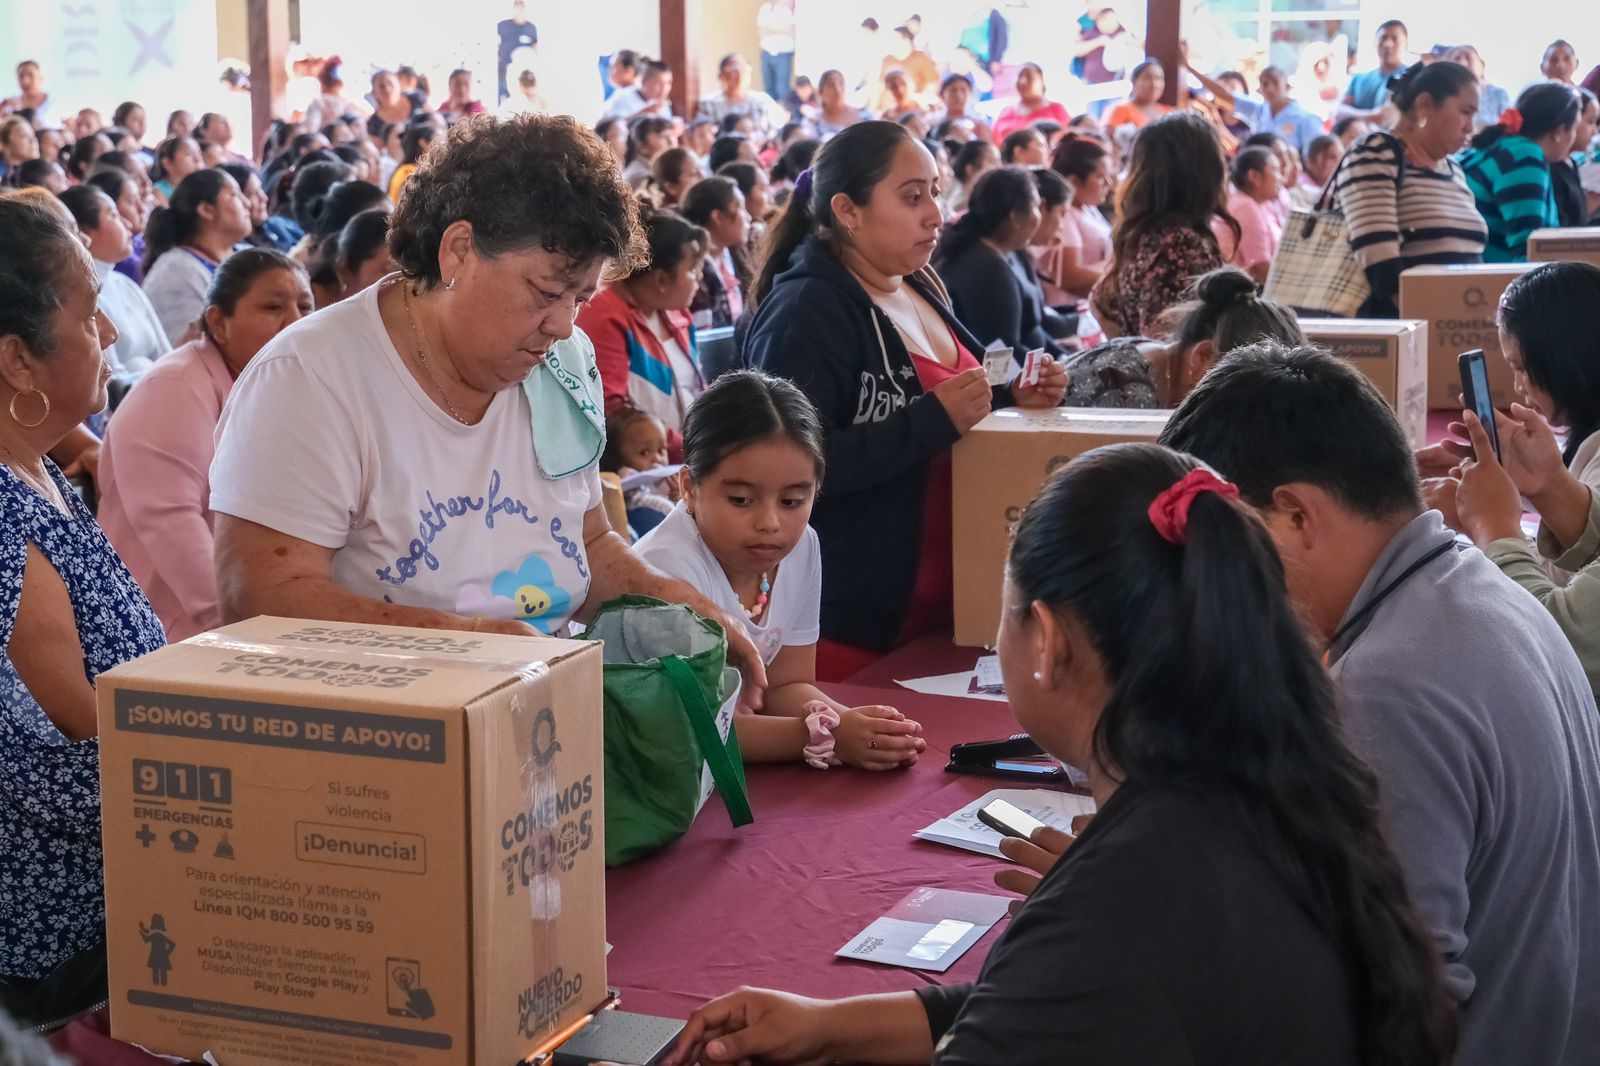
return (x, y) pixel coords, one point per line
(52, 903)
(1159, 267)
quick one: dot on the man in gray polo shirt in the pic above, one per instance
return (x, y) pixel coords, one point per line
(1457, 687)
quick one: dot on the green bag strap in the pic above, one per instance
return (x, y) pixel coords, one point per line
(727, 767)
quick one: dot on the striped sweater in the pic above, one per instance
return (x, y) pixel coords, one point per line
(1423, 216)
(1510, 179)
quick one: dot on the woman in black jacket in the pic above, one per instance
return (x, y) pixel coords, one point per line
(984, 263)
(1233, 902)
(846, 308)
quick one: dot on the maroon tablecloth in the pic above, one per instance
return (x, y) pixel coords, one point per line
(829, 851)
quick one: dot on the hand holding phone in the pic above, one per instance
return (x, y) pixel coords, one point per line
(1475, 393)
(1009, 820)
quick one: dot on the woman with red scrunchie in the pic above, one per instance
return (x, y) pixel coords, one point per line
(1147, 637)
(1508, 167)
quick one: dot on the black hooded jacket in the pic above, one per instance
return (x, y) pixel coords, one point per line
(820, 329)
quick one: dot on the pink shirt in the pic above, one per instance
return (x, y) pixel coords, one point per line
(155, 486)
(1260, 231)
(1084, 229)
(1016, 117)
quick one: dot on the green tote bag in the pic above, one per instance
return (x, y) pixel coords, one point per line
(669, 736)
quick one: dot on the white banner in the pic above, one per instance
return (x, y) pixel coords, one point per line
(98, 53)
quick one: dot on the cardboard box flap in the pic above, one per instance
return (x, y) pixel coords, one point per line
(1452, 270)
(1099, 421)
(1572, 240)
(363, 665)
(1360, 327)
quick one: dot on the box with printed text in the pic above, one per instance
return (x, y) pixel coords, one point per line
(1576, 244)
(1393, 353)
(999, 467)
(328, 842)
(1459, 303)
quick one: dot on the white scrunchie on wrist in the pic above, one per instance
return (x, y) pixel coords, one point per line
(821, 721)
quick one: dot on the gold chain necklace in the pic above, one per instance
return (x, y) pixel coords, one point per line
(422, 357)
(45, 488)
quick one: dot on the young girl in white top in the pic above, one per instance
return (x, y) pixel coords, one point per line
(752, 451)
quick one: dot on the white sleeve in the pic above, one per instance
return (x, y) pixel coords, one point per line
(803, 615)
(288, 455)
(178, 294)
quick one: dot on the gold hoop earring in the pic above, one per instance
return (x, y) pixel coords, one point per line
(12, 409)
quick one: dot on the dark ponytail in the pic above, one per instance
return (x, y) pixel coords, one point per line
(745, 407)
(1544, 108)
(1547, 311)
(997, 196)
(1225, 308)
(179, 222)
(1216, 690)
(853, 162)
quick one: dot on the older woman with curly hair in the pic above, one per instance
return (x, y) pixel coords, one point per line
(426, 452)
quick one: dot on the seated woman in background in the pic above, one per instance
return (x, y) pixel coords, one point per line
(845, 308)
(1221, 312)
(140, 337)
(648, 137)
(1070, 266)
(836, 113)
(328, 218)
(362, 257)
(1204, 752)
(1566, 174)
(977, 260)
(756, 189)
(185, 243)
(1031, 106)
(1177, 182)
(1405, 200)
(1143, 105)
(956, 92)
(671, 175)
(972, 161)
(643, 336)
(155, 465)
(714, 204)
(176, 158)
(753, 451)
(1257, 181)
(1026, 147)
(69, 610)
(1508, 168)
(131, 203)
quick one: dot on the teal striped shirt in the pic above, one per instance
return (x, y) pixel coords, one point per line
(1510, 180)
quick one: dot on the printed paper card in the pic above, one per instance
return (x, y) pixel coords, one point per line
(928, 930)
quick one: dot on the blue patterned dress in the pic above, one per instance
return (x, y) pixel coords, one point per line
(52, 903)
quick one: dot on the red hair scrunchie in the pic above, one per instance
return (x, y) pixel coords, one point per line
(1511, 119)
(1169, 512)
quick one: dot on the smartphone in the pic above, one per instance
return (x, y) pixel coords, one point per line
(1009, 820)
(1475, 393)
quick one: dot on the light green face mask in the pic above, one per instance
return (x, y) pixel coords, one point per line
(568, 408)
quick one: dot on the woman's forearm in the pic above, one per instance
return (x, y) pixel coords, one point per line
(891, 1030)
(323, 599)
(1564, 509)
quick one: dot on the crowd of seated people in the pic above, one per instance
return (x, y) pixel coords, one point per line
(1267, 649)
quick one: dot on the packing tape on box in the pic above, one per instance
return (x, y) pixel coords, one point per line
(431, 661)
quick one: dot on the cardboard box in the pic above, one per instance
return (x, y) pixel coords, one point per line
(1459, 304)
(1580, 244)
(330, 843)
(1393, 353)
(999, 468)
